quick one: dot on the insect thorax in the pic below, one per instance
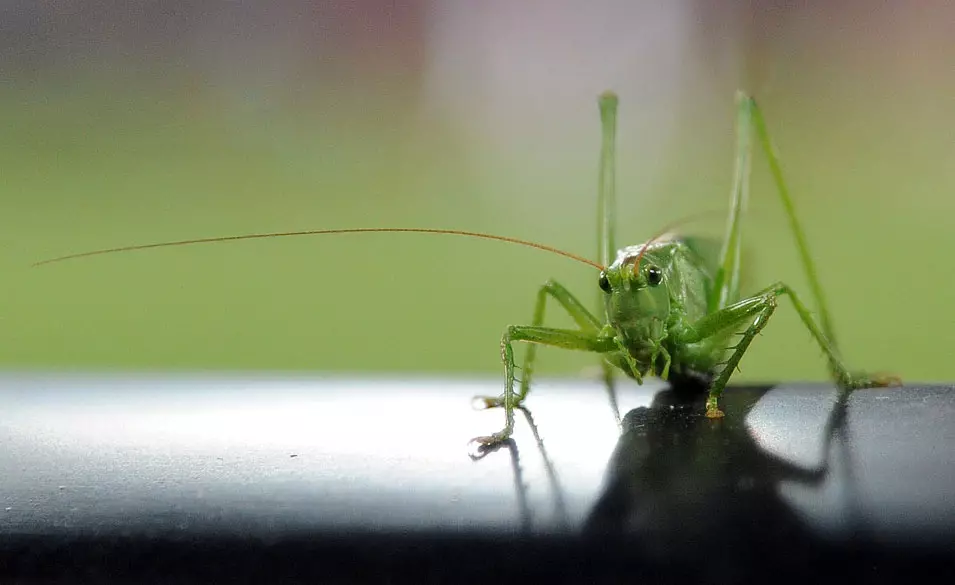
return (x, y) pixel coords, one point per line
(645, 313)
(686, 279)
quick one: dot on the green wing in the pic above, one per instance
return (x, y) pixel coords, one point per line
(707, 248)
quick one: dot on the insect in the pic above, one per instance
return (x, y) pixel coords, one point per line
(663, 309)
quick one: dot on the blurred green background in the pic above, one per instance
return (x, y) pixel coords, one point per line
(142, 123)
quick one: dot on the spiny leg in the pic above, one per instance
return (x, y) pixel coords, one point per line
(726, 282)
(748, 105)
(763, 308)
(563, 338)
(847, 382)
(584, 319)
(760, 308)
(587, 322)
(853, 382)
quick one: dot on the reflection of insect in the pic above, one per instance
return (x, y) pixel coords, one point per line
(666, 310)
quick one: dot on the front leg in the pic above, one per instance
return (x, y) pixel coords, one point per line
(584, 319)
(624, 353)
(563, 338)
(659, 334)
(660, 351)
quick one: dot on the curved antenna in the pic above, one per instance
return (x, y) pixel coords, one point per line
(330, 231)
(673, 224)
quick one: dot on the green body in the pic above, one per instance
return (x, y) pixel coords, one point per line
(649, 319)
(664, 311)
(662, 308)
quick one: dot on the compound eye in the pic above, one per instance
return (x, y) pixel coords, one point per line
(654, 276)
(604, 283)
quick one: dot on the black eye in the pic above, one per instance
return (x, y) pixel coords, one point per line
(604, 283)
(654, 276)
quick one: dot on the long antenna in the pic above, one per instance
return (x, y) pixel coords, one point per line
(331, 231)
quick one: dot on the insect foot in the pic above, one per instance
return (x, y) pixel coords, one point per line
(861, 381)
(478, 450)
(494, 441)
(712, 408)
(490, 441)
(486, 402)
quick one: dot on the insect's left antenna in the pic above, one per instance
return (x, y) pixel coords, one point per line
(480, 235)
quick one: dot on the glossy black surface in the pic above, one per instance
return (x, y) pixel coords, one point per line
(208, 478)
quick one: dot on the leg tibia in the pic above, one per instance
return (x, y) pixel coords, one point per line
(756, 310)
(563, 338)
(846, 380)
(536, 334)
(764, 310)
(584, 319)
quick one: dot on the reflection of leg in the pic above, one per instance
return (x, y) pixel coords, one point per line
(611, 388)
(560, 507)
(836, 432)
(520, 488)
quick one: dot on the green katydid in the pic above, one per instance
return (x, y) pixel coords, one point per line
(665, 311)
